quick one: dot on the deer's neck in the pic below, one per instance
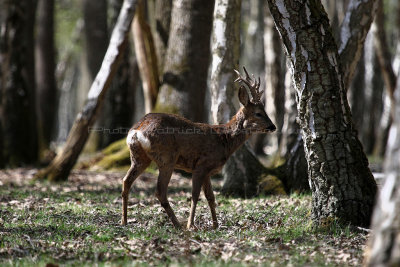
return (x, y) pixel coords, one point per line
(235, 133)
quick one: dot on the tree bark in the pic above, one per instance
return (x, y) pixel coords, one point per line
(294, 157)
(45, 76)
(162, 15)
(384, 245)
(61, 166)
(186, 63)
(146, 57)
(17, 83)
(342, 184)
(353, 31)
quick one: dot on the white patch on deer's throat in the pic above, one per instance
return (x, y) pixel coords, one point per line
(137, 136)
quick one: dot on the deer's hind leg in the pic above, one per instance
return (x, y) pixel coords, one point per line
(161, 193)
(139, 162)
(197, 180)
(208, 192)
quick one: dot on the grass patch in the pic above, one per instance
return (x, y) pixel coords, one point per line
(77, 223)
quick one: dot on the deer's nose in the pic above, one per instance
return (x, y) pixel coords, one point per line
(271, 128)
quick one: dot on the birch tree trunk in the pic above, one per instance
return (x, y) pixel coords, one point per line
(61, 166)
(342, 185)
(17, 83)
(241, 172)
(119, 103)
(384, 245)
(186, 63)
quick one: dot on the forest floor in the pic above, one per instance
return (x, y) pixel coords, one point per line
(78, 223)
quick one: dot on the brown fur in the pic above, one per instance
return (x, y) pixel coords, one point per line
(174, 142)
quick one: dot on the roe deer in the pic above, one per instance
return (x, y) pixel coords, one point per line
(174, 142)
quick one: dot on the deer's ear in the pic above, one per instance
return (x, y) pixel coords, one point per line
(243, 96)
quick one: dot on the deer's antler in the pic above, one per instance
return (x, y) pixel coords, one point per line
(252, 83)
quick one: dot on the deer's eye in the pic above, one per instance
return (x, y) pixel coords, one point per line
(259, 115)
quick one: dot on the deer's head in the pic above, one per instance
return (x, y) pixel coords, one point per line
(255, 117)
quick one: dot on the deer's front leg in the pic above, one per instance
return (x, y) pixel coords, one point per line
(208, 192)
(197, 181)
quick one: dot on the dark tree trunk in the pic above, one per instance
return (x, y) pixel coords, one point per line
(61, 166)
(274, 78)
(17, 83)
(45, 72)
(294, 172)
(96, 33)
(253, 40)
(186, 63)
(119, 103)
(357, 97)
(384, 245)
(342, 184)
(374, 114)
(162, 15)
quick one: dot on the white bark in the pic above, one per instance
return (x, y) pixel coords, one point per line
(384, 245)
(225, 55)
(242, 169)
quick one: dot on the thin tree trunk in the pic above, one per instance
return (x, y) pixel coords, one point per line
(342, 184)
(162, 15)
(61, 166)
(17, 83)
(384, 245)
(389, 78)
(253, 40)
(353, 31)
(146, 57)
(274, 79)
(45, 72)
(357, 97)
(373, 92)
(186, 63)
(119, 103)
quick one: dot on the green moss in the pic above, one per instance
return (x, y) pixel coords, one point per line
(114, 160)
(166, 106)
(271, 185)
(115, 147)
